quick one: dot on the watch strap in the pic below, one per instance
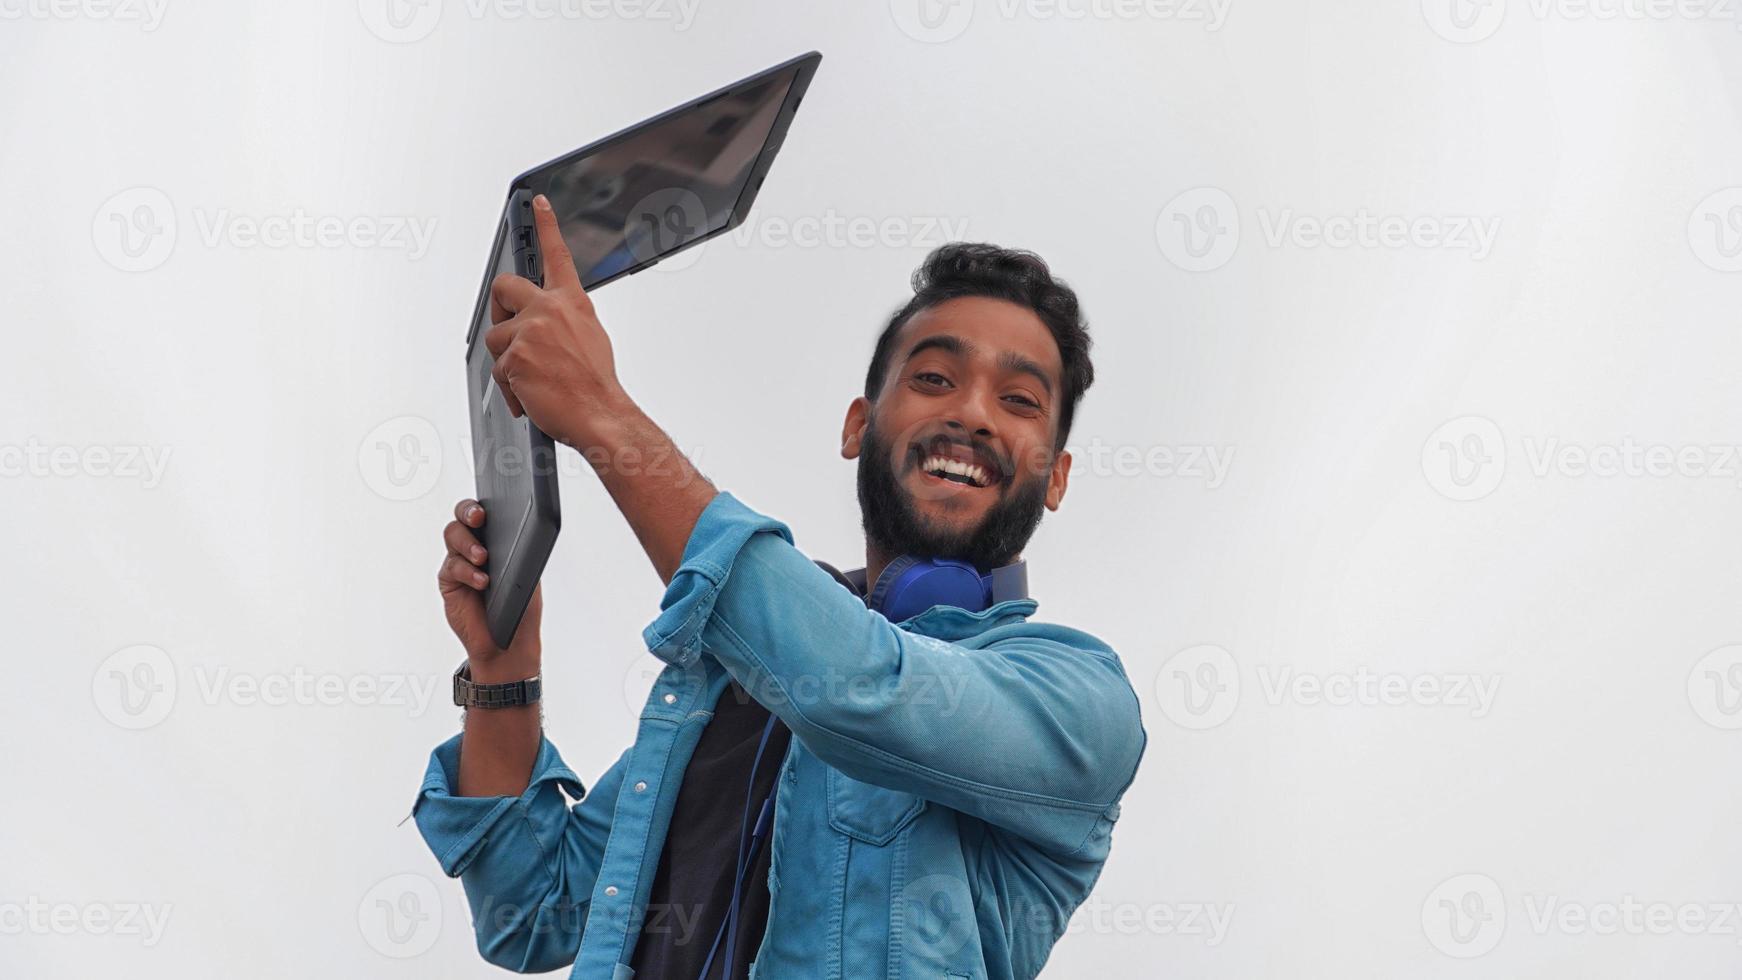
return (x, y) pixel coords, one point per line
(511, 695)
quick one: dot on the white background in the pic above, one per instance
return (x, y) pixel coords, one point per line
(159, 753)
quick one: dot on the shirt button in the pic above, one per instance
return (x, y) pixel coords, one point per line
(610, 889)
(641, 787)
(671, 699)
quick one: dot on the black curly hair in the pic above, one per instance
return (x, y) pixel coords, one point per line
(978, 269)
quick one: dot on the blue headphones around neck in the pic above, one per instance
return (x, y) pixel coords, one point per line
(910, 585)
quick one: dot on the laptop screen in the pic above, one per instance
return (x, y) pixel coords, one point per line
(663, 185)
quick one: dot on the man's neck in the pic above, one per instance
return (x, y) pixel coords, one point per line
(875, 561)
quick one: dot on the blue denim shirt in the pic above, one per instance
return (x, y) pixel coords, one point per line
(947, 801)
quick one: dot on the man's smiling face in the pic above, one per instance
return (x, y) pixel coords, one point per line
(956, 454)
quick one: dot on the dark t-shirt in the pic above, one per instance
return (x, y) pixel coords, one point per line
(693, 887)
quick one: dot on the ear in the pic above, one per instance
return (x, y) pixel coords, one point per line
(853, 429)
(1058, 479)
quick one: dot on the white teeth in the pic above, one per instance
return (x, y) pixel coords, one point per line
(944, 464)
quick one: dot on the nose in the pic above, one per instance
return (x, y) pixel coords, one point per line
(969, 427)
(973, 414)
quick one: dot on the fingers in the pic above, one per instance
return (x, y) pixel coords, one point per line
(462, 567)
(505, 385)
(461, 541)
(457, 573)
(509, 294)
(498, 337)
(469, 512)
(512, 299)
(559, 265)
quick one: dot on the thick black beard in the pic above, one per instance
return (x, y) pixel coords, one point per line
(892, 523)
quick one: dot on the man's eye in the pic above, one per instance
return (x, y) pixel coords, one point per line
(1024, 401)
(931, 378)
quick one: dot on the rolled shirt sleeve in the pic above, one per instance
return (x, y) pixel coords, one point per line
(721, 531)
(528, 862)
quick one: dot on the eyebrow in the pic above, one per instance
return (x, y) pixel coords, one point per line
(1007, 360)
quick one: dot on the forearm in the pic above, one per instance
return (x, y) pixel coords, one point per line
(661, 495)
(659, 491)
(499, 745)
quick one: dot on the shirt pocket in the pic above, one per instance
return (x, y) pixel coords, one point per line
(873, 814)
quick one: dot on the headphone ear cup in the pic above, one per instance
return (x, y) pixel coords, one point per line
(912, 585)
(886, 580)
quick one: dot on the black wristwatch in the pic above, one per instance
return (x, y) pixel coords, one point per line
(470, 695)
